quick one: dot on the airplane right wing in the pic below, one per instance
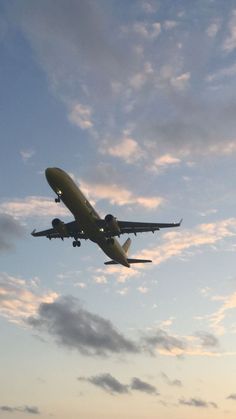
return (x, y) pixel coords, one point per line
(114, 227)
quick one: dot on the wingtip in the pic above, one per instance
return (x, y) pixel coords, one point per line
(33, 232)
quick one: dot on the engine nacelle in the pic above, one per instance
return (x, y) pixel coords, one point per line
(112, 225)
(60, 227)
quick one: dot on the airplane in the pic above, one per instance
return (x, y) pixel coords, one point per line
(88, 224)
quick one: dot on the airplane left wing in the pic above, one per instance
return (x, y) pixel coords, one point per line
(115, 227)
(61, 230)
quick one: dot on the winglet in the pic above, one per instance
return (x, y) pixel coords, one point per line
(180, 222)
(33, 232)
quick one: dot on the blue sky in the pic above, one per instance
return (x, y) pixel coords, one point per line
(136, 101)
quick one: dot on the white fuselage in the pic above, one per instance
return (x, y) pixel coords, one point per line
(84, 213)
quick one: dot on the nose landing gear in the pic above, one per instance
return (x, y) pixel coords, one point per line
(59, 194)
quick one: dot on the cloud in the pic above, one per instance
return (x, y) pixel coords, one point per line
(180, 82)
(108, 383)
(138, 80)
(229, 71)
(80, 115)
(208, 340)
(74, 327)
(217, 318)
(161, 340)
(111, 385)
(127, 150)
(27, 155)
(143, 290)
(177, 243)
(20, 298)
(170, 24)
(10, 229)
(33, 410)
(197, 403)
(174, 383)
(32, 206)
(137, 384)
(76, 46)
(232, 396)
(118, 195)
(149, 31)
(230, 42)
(165, 161)
(213, 28)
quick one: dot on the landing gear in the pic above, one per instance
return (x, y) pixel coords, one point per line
(110, 241)
(76, 243)
(59, 194)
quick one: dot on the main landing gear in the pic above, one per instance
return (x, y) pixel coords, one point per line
(76, 243)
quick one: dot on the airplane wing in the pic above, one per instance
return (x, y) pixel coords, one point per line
(129, 227)
(71, 229)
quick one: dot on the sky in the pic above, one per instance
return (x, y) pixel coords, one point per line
(136, 101)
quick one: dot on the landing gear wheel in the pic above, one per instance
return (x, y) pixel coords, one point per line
(57, 200)
(76, 243)
(110, 241)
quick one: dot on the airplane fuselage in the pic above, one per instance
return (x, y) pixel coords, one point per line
(66, 189)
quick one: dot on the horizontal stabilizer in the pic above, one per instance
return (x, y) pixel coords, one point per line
(138, 260)
(113, 262)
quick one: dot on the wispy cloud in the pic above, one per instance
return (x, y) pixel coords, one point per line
(10, 229)
(194, 402)
(232, 396)
(216, 319)
(20, 298)
(32, 410)
(118, 195)
(213, 28)
(208, 340)
(166, 343)
(81, 116)
(177, 243)
(165, 161)
(230, 42)
(127, 150)
(32, 206)
(181, 82)
(146, 30)
(27, 155)
(169, 344)
(175, 383)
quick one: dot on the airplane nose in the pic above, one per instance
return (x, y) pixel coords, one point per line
(48, 173)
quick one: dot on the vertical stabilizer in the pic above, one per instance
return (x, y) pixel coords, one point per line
(126, 245)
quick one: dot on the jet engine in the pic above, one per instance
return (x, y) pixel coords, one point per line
(112, 225)
(60, 227)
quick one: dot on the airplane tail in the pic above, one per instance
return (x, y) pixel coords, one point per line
(126, 245)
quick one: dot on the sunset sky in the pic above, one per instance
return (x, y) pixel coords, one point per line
(136, 100)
